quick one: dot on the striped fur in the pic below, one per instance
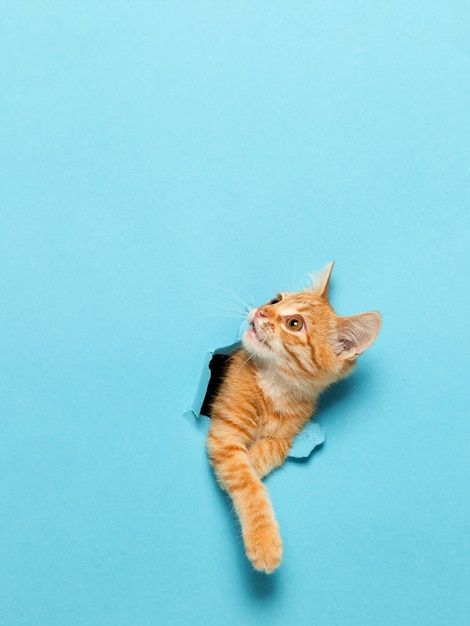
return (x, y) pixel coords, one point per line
(269, 392)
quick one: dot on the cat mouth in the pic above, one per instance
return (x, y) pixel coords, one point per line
(255, 332)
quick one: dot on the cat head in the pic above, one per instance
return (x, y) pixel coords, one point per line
(300, 333)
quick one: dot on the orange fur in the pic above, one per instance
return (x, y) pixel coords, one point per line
(269, 393)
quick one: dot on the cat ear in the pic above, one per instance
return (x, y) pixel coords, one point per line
(321, 280)
(355, 334)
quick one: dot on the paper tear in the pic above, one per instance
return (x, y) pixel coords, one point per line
(310, 437)
(200, 422)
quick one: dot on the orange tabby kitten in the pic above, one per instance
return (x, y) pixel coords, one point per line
(294, 348)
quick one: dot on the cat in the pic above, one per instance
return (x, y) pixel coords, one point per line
(294, 348)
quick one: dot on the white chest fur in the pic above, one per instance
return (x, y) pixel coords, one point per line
(281, 390)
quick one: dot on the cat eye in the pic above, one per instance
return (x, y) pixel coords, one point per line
(275, 300)
(294, 322)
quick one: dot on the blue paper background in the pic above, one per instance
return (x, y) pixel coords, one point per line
(150, 151)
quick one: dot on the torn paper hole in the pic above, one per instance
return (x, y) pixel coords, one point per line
(214, 367)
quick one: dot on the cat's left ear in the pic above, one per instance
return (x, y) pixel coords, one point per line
(321, 280)
(354, 334)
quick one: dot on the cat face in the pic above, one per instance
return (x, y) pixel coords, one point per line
(300, 333)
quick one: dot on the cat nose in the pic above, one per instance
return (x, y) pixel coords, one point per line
(261, 313)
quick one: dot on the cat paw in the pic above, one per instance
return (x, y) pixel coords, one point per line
(264, 549)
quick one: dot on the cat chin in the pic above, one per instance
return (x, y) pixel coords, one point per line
(250, 342)
(256, 347)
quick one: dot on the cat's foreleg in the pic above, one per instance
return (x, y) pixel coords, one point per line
(268, 453)
(228, 453)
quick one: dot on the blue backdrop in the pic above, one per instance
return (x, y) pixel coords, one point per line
(152, 153)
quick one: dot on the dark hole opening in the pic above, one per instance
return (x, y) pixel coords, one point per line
(218, 366)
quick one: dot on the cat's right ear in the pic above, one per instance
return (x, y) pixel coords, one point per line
(321, 280)
(355, 334)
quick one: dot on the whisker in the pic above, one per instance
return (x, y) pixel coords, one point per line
(250, 295)
(245, 362)
(234, 316)
(226, 308)
(233, 295)
(223, 306)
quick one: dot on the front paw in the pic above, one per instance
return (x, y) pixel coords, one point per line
(264, 549)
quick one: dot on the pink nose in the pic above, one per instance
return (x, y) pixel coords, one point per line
(260, 313)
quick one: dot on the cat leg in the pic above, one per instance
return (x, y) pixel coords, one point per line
(228, 453)
(268, 453)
